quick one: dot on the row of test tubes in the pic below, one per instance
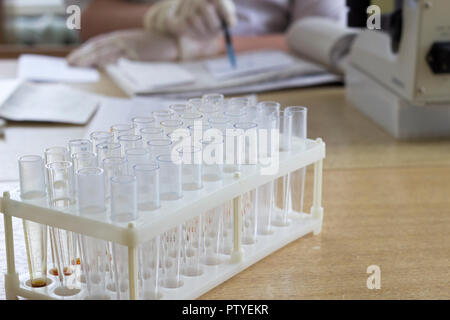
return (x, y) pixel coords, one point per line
(135, 167)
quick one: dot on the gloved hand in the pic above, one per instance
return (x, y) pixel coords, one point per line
(196, 19)
(132, 44)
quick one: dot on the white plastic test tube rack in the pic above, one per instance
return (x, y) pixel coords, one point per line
(170, 215)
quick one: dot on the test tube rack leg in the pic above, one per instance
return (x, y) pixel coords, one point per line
(133, 234)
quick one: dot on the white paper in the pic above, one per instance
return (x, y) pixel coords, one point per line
(151, 75)
(206, 82)
(53, 69)
(49, 103)
(248, 63)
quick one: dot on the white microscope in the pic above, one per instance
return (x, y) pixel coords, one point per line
(401, 79)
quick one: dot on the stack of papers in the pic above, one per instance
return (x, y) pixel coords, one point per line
(255, 72)
(45, 102)
(35, 67)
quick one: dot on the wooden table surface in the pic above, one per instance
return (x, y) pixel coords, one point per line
(387, 203)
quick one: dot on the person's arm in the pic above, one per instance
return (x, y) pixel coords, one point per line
(103, 16)
(333, 9)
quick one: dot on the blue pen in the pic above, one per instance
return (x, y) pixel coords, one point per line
(229, 44)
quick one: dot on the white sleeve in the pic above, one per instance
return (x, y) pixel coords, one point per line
(334, 9)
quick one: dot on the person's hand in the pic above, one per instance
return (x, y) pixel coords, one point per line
(196, 19)
(132, 44)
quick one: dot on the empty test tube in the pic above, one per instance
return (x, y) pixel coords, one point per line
(149, 255)
(212, 170)
(130, 141)
(91, 190)
(213, 100)
(136, 156)
(142, 122)
(32, 177)
(180, 108)
(161, 115)
(79, 145)
(82, 160)
(98, 137)
(233, 140)
(95, 267)
(107, 150)
(151, 133)
(147, 176)
(121, 129)
(190, 118)
(194, 103)
(191, 247)
(123, 198)
(56, 154)
(250, 142)
(113, 167)
(171, 125)
(170, 177)
(159, 146)
(171, 258)
(297, 178)
(61, 184)
(220, 122)
(191, 158)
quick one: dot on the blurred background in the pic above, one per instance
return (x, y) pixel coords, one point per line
(39, 26)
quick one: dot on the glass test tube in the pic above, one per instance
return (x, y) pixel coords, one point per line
(107, 150)
(213, 230)
(161, 115)
(82, 160)
(297, 179)
(98, 137)
(194, 103)
(221, 123)
(180, 136)
(281, 185)
(250, 142)
(113, 167)
(170, 177)
(151, 133)
(212, 170)
(56, 154)
(233, 149)
(171, 258)
(32, 177)
(198, 131)
(95, 267)
(191, 247)
(36, 246)
(213, 100)
(239, 103)
(180, 108)
(147, 176)
(79, 145)
(61, 184)
(142, 122)
(121, 129)
(191, 158)
(149, 254)
(190, 118)
(159, 146)
(171, 125)
(120, 270)
(130, 141)
(136, 156)
(123, 198)
(91, 190)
